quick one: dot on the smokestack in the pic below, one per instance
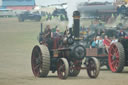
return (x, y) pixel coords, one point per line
(76, 25)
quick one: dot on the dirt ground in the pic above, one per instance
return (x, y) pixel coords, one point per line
(16, 43)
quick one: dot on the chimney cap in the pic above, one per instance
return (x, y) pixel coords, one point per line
(76, 13)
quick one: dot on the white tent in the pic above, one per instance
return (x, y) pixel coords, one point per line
(0, 2)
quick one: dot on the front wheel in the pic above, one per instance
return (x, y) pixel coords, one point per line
(116, 57)
(93, 67)
(62, 68)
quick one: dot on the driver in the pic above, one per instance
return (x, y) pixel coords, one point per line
(47, 32)
(47, 36)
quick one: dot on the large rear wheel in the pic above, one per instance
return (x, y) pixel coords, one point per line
(63, 68)
(93, 67)
(40, 61)
(116, 57)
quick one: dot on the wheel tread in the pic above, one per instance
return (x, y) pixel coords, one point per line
(121, 58)
(45, 59)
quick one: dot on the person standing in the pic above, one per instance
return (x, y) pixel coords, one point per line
(106, 42)
(99, 42)
(47, 32)
(93, 45)
(122, 34)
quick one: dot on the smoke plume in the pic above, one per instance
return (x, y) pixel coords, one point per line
(72, 6)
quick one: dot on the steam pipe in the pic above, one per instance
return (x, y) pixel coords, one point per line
(41, 31)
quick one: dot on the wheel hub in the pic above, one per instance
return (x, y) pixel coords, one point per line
(113, 57)
(38, 61)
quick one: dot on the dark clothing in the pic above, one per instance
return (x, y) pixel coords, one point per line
(49, 41)
(122, 34)
(48, 37)
(47, 33)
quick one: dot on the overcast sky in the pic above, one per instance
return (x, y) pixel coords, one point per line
(47, 2)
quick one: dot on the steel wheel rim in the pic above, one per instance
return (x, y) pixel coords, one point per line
(113, 57)
(92, 68)
(61, 70)
(36, 62)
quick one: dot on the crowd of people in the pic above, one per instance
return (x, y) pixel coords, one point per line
(99, 42)
(104, 41)
(50, 16)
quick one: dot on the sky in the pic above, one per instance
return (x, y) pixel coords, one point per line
(0, 2)
(48, 2)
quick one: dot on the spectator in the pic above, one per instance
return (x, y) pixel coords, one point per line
(114, 40)
(122, 34)
(99, 42)
(93, 45)
(106, 42)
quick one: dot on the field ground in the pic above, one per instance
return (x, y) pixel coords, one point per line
(16, 43)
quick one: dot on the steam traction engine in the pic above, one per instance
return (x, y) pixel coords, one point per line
(65, 58)
(118, 52)
(118, 55)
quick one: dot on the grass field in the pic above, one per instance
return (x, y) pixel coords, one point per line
(16, 42)
(22, 34)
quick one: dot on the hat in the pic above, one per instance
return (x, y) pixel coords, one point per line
(97, 37)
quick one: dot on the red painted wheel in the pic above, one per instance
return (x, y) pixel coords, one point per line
(63, 68)
(40, 61)
(93, 67)
(116, 57)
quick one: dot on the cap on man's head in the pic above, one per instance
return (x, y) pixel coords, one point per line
(98, 37)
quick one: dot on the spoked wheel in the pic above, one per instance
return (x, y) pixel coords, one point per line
(116, 57)
(62, 68)
(74, 70)
(40, 61)
(93, 67)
